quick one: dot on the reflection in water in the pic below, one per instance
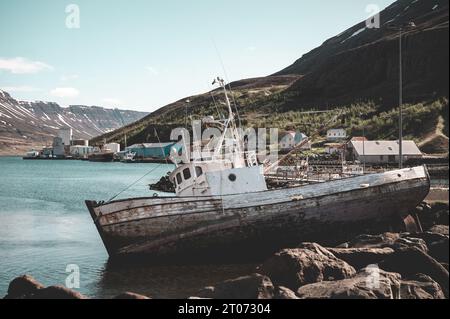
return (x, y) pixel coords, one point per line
(164, 281)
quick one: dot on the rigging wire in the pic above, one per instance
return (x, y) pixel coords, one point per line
(228, 81)
(215, 103)
(134, 183)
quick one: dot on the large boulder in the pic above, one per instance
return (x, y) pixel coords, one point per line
(436, 214)
(368, 283)
(58, 292)
(361, 257)
(389, 240)
(411, 261)
(421, 287)
(255, 286)
(23, 287)
(436, 240)
(440, 250)
(284, 293)
(310, 263)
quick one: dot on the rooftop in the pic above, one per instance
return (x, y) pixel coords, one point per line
(385, 148)
(150, 145)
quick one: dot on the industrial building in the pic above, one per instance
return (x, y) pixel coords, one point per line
(151, 150)
(382, 152)
(113, 147)
(82, 151)
(65, 134)
(58, 149)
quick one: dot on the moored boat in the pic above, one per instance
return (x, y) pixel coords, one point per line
(101, 157)
(222, 207)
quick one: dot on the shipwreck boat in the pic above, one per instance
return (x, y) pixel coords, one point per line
(222, 207)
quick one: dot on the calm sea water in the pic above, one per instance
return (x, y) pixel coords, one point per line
(45, 226)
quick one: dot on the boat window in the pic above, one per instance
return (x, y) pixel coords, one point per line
(198, 171)
(232, 177)
(187, 174)
(179, 179)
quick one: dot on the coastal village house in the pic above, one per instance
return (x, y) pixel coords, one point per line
(292, 139)
(382, 152)
(334, 148)
(336, 134)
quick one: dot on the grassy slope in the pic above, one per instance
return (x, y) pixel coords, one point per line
(261, 104)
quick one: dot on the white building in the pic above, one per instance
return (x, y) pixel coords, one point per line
(114, 147)
(65, 134)
(292, 139)
(81, 151)
(336, 134)
(383, 152)
(334, 148)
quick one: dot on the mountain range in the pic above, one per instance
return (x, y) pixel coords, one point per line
(24, 125)
(355, 72)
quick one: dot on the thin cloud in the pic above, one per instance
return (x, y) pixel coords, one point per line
(65, 92)
(22, 88)
(21, 65)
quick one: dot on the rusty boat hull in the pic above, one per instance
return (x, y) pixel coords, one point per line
(256, 223)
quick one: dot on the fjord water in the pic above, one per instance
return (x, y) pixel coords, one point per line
(45, 226)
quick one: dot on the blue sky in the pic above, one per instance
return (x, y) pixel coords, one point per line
(143, 54)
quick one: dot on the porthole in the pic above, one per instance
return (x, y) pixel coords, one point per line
(232, 177)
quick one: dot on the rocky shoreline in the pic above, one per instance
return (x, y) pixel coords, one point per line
(385, 266)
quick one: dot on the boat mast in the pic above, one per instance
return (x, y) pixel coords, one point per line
(229, 123)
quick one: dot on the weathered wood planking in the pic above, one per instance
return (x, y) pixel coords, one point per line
(167, 225)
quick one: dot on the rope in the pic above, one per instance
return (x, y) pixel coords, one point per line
(134, 183)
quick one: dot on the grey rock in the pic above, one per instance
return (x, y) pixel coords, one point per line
(284, 293)
(57, 292)
(130, 295)
(312, 263)
(421, 287)
(255, 286)
(369, 283)
(411, 261)
(23, 287)
(361, 257)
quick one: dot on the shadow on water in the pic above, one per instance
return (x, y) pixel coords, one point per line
(164, 281)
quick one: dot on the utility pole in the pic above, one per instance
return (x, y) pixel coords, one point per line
(400, 29)
(400, 102)
(364, 149)
(186, 104)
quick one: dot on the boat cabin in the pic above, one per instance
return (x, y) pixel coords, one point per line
(217, 178)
